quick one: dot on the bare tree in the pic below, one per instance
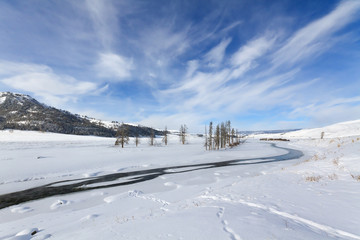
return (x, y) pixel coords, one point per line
(152, 136)
(210, 135)
(217, 137)
(137, 140)
(122, 135)
(206, 139)
(165, 138)
(232, 136)
(223, 135)
(228, 131)
(183, 131)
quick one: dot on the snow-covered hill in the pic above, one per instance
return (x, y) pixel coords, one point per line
(343, 129)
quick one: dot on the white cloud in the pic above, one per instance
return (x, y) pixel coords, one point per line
(104, 18)
(193, 65)
(114, 67)
(216, 55)
(174, 121)
(48, 83)
(231, 26)
(314, 38)
(331, 111)
(43, 82)
(204, 89)
(243, 59)
(8, 68)
(164, 43)
(251, 51)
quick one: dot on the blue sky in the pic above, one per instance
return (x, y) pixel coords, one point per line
(261, 64)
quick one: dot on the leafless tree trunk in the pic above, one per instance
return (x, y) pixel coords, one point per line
(122, 135)
(206, 139)
(183, 131)
(165, 138)
(232, 136)
(223, 135)
(210, 136)
(137, 140)
(152, 136)
(228, 131)
(217, 137)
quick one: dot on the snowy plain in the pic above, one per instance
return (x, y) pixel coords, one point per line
(314, 197)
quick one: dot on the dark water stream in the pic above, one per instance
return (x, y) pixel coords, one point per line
(127, 178)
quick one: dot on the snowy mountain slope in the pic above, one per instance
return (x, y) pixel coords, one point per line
(19, 111)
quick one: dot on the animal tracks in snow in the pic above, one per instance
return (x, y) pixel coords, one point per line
(59, 203)
(324, 228)
(140, 194)
(29, 234)
(21, 209)
(89, 217)
(226, 228)
(135, 194)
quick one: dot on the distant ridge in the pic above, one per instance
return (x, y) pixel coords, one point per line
(22, 112)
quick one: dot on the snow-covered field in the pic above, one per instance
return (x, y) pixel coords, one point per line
(314, 197)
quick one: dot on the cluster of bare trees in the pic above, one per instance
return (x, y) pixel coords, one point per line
(122, 136)
(221, 136)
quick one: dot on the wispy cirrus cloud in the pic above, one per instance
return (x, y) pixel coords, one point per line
(104, 19)
(329, 110)
(313, 39)
(216, 55)
(201, 87)
(243, 59)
